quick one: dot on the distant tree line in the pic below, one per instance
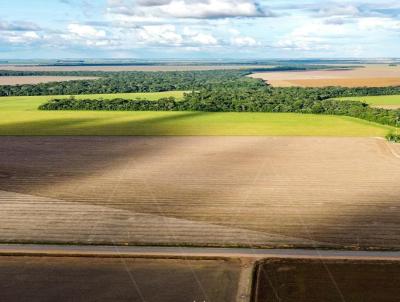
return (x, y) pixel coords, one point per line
(125, 82)
(133, 81)
(99, 73)
(129, 82)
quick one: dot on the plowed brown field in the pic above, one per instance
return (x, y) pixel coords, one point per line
(370, 75)
(288, 280)
(356, 82)
(64, 279)
(221, 191)
(39, 79)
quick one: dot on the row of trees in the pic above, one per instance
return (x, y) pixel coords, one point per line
(164, 104)
(235, 101)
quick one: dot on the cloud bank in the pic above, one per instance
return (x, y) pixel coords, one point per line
(206, 28)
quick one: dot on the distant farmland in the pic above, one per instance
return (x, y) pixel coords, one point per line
(22, 80)
(369, 76)
(129, 68)
(357, 82)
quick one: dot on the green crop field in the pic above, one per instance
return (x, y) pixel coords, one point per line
(33, 102)
(383, 100)
(19, 116)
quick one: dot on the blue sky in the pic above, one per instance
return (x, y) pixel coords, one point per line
(199, 29)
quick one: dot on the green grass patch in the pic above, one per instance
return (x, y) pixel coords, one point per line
(20, 116)
(384, 100)
(33, 102)
(183, 123)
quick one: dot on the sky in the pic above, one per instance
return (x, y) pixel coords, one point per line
(199, 29)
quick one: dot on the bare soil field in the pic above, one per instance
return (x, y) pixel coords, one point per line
(355, 82)
(41, 279)
(128, 68)
(293, 280)
(21, 80)
(369, 75)
(201, 191)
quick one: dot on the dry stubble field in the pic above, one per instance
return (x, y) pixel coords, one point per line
(22, 80)
(368, 75)
(220, 191)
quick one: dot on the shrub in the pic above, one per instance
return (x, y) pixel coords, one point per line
(393, 137)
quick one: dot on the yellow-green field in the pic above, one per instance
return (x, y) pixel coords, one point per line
(384, 101)
(19, 116)
(33, 102)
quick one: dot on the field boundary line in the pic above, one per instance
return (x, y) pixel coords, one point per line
(389, 146)
(393, 151)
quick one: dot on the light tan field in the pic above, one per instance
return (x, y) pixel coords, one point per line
(356, 82)
(127, 68)
(219, 191)
(391, 107)
(18, 80)
(370, 75)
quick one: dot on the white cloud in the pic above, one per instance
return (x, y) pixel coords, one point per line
(199, 37)
(169, 35)
(80, 35)
(204, 39)
(239, 40)
(319, 29)
(201, 9)
(19, 32)
(210, 27)
(234, 31)
(31, 35)
(377, 23)
(159, 34)
(20, 37)
(315, 35)
(303, 43)
(338, 21)
(211, 9)
(86, 31)
(18, 26)
(336, 10)
(244, 41)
